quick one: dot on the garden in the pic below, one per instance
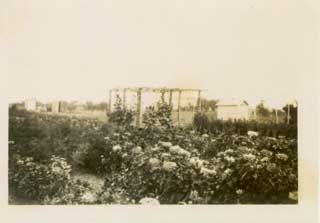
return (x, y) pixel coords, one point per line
(158, 163)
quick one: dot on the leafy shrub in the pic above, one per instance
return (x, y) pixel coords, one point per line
(121, 116)
(202, 124)
(45, 183)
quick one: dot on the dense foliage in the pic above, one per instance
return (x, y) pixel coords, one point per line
(158, 163)
(203, 124)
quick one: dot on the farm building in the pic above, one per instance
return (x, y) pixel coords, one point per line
(233, 110)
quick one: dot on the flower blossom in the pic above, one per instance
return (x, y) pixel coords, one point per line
(206, 172)
(230, 159)
(168, 166)
(149, 201)
(179, 150)
(282, 156)
(154, 162)
(249, 157)
(252, 133)
(239, 191)
(88, 197)
(266, 152)
(116, 148)
(137, 150)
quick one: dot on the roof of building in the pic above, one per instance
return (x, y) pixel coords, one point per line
(231, 102)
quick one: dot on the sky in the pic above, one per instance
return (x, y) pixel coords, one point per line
(79, 49)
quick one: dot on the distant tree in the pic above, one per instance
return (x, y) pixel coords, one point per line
(91, 106)
(263, 111)
(208, 104)
(68, 106)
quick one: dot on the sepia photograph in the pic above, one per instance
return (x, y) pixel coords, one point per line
(153, 146)
(205, 105)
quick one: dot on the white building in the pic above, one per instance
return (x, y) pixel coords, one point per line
(30, 104)
(233, 110)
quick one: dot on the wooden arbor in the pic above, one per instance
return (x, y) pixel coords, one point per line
(162, 91)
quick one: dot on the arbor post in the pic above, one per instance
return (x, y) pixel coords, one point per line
(110, 100)
(170, 98)
(124, 97)
(288, 116)
(162, 96)
(179, 106)
(138, 115)
(199, 101)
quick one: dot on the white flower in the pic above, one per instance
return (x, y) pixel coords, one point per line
(228, 171)
(229, 151)
(174, 149)
(195, 161)
(179, 150)
(265, 159)
(207, 172)
(282, 156)
(116, 148)
(155, 149)
(149, 201)
(168, 166)
(57, 170)
(239, 191)
(20, 162)
(293, 195)
(88, 197)
(230, 159)
(165, 144)
(252, 133)
(205, 136)
(154, 162)
(266, 152)
(165, 155)
(137, 150)
(249, 157)
(124, 155)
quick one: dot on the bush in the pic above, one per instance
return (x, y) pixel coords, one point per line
(121, 116)
(45, 183)
(202, 124)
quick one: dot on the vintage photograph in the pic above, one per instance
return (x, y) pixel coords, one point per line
(153, 146)
(162, 103)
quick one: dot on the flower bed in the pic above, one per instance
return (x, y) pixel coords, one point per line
(158, 163)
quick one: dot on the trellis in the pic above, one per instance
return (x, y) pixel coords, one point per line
(161, 91)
